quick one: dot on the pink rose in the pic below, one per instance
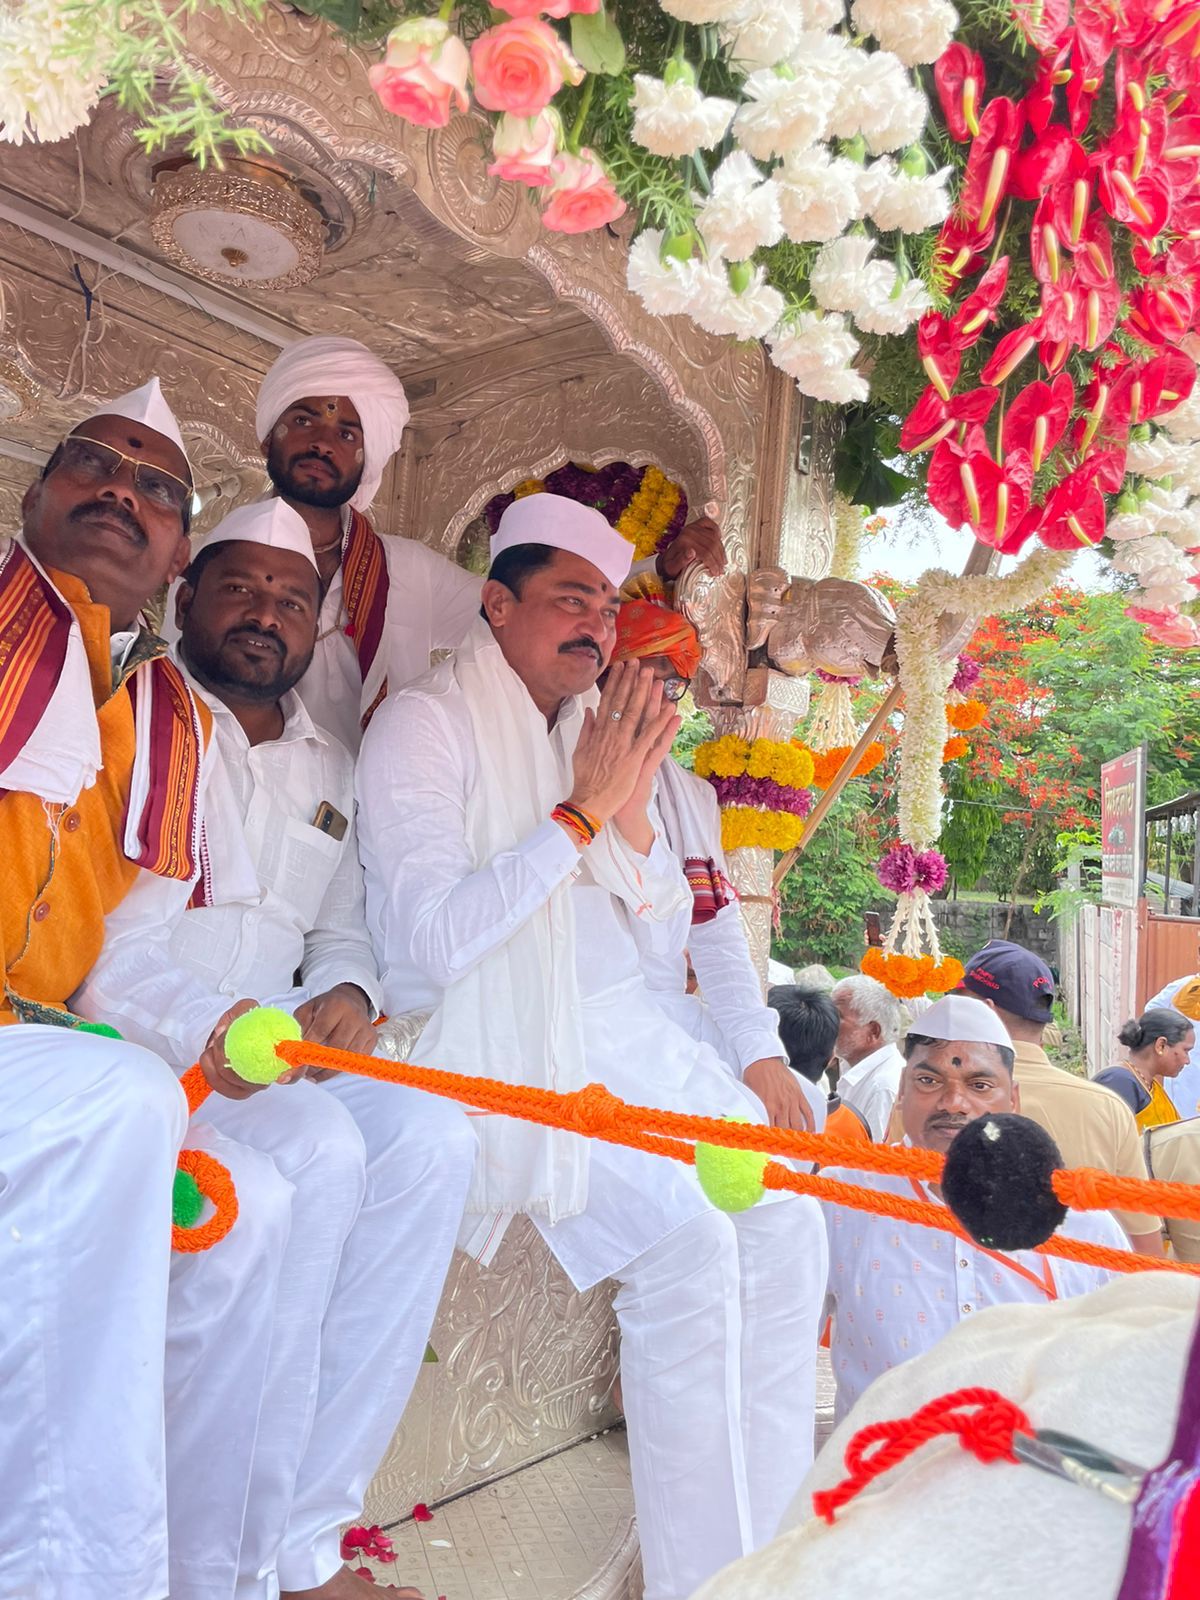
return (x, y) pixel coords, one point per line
(524, 147)
(520, 66)
(1167, 626)
(423, 76)
(582, 196)
(548, 8)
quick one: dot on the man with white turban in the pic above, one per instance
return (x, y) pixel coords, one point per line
(330, 417)
(101, 753)
(510, 847)
(375, 1176)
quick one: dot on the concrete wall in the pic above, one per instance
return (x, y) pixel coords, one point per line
(965, 925)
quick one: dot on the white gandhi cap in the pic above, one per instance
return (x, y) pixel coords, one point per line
(564, 524)
(269, 522)
(146, 405)
(958, 1016)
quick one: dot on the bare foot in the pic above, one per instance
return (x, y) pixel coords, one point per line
(346, 1585)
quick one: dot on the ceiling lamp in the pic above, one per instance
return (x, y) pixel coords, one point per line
(243, 225)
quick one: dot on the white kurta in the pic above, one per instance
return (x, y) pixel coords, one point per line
(896, 1288)
(351, 1193)
(431, 604)
(871, 1086)
(718, 1314)
(89, 1134)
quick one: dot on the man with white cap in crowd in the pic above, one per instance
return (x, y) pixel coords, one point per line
(896, 1288)
(377, 1173)
(508, 848)
(91, 719)
(330, 416)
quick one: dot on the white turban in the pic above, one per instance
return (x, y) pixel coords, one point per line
(326, 365)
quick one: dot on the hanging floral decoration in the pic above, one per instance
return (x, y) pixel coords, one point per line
(641, 503)
(966, 715)
(955, 748)
(762, 786)
(831, 724)
(828, 763)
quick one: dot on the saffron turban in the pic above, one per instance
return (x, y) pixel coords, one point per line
(645, 628)
(327, 365)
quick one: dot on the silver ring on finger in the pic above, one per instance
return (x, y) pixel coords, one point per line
(616, 715)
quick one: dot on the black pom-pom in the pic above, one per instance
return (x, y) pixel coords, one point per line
(997, 1182)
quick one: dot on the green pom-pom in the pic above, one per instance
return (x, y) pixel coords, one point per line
(103, 1029)
(732, 1179)
(187, 1202)
(251, 1040)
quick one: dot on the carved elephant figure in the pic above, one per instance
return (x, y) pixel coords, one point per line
(831, 624)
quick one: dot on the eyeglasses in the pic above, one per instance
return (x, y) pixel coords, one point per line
(92, 461)
(674, 688)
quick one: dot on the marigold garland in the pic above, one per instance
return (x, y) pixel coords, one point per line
(908, 977)
(747, 828)
(650, 513)
(828, 763)
(955, 748)
(967, 715)
(790, 765)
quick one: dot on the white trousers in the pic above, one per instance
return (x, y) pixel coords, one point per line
(89, 1133)
(718, 1373)
(376, 1179)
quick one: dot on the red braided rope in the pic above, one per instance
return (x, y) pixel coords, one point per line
(983, 1420)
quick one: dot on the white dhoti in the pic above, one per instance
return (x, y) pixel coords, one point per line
(89, 1134)
(375, 1177)
(718, 1314)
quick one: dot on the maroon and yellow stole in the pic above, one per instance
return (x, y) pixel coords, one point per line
(162, 816)
(35, 624)
(365, 591)
(711, 889)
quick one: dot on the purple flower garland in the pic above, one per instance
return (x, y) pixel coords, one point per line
(903, 869)
(608, 490)
(763, 793)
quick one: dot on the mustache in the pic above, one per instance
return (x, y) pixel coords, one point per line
(582, 644)
(238, 634)
(947, 1122)
(111, 511)
(317, 457)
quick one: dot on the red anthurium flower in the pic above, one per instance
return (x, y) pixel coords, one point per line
(958, 76)
(1105, 420)
(990, 161)
(1043, 22)
(1180, 31)
(1041, 164)
(940, 350)
(1160, 313)
(1095, 34)
(944, 481)
(1164, 382)
(1062, 309)
(1108, 468)
(1143, 205)
(933, 419)
(1052, 73)
(1094, 254)
(1046, 243)
(1011, 351)
(1082, 88)
(1073, 516)
(1037, 419)
(960, 249)
(1021, 533)
(979, 308)
(1001, 495)
(1181, 155)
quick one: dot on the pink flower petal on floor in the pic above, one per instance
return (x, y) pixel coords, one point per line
(422, 1513)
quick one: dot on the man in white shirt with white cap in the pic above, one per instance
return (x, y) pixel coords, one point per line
(509, 850)
(377, 1173)
(330, 417)
(897, 1288)
(91, 719)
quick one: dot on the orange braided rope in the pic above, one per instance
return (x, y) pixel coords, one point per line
(216, 1185)
(595, 1112)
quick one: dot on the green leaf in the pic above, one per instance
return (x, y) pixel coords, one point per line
(596, 43)
(344, 14)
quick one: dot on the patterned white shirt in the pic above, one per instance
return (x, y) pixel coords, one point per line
(895, 1288)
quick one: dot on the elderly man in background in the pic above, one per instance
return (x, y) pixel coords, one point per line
(1088, 1123)
(509, 850)
(897, 1288)
(728, 1011)
(330, 417)
(102, 752)
(376, 1174)
(871, 1063)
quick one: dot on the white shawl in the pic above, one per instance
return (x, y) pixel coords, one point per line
(516, 1014)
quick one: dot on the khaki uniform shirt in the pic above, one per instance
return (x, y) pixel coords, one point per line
(1173, 1155)
(1088, 1123)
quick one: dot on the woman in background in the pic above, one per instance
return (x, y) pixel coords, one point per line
(1158, 1045)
